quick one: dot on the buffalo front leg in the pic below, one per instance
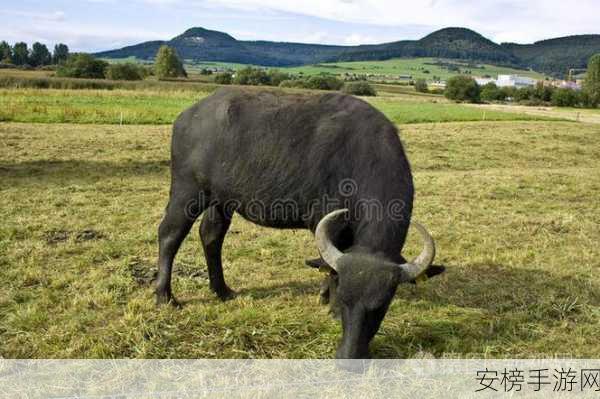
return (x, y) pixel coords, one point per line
(180, 215)
(212, 234)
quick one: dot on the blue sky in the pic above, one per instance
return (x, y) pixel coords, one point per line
(92, 25)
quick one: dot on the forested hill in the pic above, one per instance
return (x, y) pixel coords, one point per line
(552, 56)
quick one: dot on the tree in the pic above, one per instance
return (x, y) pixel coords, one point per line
(421, 86)
(82, 65)
(462, 88)
(491, 92)
(20, 54)
(543, 92)
(125, 71)
(61, 53)
(40, 55)
(5, 52)
(168, 64)
(592, 81)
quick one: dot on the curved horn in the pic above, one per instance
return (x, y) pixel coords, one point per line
(325, 230)
(419, 264)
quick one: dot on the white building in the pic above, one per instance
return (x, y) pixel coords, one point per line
(515, 81)
(484, 81)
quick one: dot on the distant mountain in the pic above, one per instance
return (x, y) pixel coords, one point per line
(552, 56)
(556, 56)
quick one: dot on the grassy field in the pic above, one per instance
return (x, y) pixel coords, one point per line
(512, 204)
(414, 67)
(158, 107)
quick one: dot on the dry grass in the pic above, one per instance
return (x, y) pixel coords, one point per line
(513, 206)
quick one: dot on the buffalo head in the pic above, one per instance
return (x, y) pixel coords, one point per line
(366, 284)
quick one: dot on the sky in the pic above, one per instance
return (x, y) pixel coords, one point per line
(94, 25)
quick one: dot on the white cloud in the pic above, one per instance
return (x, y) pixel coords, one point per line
(55, 16)
(500, 19)
(77, 37)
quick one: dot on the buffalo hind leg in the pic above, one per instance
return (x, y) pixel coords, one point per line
(213, 228)
(180, 215)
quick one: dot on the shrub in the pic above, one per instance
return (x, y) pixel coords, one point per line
(565, 98)
(251, 76)
(462, 88)
(127, 71)
(82, 66)
(421, 86)
(324, 82)
(276, 77)
(360, 88)
(223, 78)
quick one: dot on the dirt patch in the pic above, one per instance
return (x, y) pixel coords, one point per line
(144, 273)
(88, 235)
(57, 236)
(53, 237)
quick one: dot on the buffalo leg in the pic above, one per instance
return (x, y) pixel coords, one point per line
(180, 215)
(212, 233)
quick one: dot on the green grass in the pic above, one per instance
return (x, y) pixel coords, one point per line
(407, 66)
(95, 106)
(158, 107)
(414, 67)
(513, 206)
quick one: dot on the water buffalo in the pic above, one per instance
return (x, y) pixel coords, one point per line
(330, 163)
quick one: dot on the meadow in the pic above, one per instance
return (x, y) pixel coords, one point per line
(150, 106)
(511, 201)
(417, 68)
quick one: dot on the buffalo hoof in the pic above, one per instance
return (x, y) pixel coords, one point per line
(358, 366)
(226, 294)
(167, 299)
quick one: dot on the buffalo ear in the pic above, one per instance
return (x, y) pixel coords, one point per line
(434, 270)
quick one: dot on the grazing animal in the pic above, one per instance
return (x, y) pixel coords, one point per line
(330, 163)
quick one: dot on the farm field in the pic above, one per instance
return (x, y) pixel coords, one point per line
(573, 114)
(512, 204)
(414, 67)
(160, 107)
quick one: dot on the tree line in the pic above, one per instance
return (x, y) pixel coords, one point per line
(466, 89)
(38, 55)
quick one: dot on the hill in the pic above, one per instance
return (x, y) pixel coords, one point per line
(552, 56)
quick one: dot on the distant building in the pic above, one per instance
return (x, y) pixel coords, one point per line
(437, 85)
(515, 81)
(484, 81)
(566, 84)
(508, 81)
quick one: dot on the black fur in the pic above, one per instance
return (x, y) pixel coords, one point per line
(240, 147)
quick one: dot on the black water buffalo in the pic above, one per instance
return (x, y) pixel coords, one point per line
(330, 163)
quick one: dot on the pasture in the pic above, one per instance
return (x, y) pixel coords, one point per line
(417, 68)
(150, 106)
(512, 201)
